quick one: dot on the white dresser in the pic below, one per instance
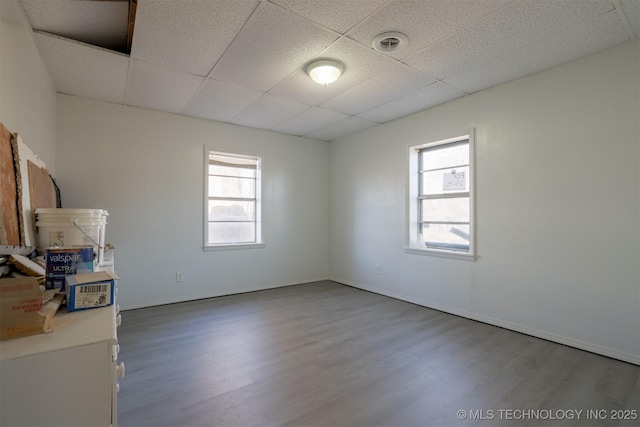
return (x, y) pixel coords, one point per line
(64, 378)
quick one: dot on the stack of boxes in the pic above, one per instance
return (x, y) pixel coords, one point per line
(65, 261)
(70, 270)
(76, 265)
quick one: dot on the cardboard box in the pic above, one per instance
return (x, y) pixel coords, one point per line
(65, 261)
(24, 308)
(90, 290)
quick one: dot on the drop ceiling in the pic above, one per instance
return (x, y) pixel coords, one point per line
(243, 61)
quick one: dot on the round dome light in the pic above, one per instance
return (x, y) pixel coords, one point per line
(324, 71)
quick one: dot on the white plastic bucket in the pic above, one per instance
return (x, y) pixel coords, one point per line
(72, 227)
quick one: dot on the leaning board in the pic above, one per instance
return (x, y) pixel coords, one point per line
(9, 223)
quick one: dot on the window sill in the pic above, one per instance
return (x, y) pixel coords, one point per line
(233, 247)
(441, 254)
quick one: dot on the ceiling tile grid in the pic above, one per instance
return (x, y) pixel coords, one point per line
(187, 36)
(76, 67)
(631, 10)
(273, 44)
(384, 86)
(421, 99)
(360, 63)
(220, 101)
(424, 23)
(309, 121)
(244, 61)
(157, 88)
(268, 111)
(338, 15)
(509, 29)
(583, 39)
(344, 127)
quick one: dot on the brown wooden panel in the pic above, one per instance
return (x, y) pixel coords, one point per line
(41, 190)
(10, 234)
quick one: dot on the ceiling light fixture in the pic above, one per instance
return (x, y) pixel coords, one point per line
(324, 71)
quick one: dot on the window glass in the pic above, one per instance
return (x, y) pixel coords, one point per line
(231, 232)
(445, 155)
(230, 210)
(446, 236)
(232, 199)
(446, 181)
(442, 202)
(450, 210)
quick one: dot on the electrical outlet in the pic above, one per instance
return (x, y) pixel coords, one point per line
(179, 276)
(377, 269)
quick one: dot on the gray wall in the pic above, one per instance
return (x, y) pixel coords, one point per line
(147, 169)
(557, 206)
(27, 96)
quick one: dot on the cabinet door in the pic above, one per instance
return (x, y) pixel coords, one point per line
(72, 386)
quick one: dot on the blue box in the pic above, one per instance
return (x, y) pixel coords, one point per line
(90, 290)
(64, 261)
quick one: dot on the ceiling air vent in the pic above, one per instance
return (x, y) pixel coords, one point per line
(390, 42)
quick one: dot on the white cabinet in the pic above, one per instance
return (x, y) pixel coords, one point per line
(64, 378)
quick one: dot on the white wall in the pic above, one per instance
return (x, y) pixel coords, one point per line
(557, 206)
(146, 168)
(27, 96)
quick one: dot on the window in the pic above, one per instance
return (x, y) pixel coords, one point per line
(442, 193)
(232, 201)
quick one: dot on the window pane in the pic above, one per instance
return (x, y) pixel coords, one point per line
(446, 236)
(231, 232)
(232, 187)
(447, 155)
(456, 209)
(446, 181)
(229, 210)
(231, 171)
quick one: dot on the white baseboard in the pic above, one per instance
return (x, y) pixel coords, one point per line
(582, 345)
(195, 297)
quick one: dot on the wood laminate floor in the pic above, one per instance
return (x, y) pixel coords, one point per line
(325, 354)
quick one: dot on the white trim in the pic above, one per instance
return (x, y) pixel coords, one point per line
(260, 237)
(196, 297)
(442, 254)
(234, 246)
(582, 345)
(462, 137)
(412, 196)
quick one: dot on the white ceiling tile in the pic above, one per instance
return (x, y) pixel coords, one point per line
(249, 47)
(423, 22)
(506, 30)
(359, 62)
(220, 101)
(272, 45)
(427, 97)
(100, 23)
(309, 121)
(158, 88)
(83, 70)
(631, 10)
(268, 111)
(342, 128)
(339, 15)
(384, 86)
(584, 39)
(187, 36)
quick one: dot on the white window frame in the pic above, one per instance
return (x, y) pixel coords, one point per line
(259, 243)
(414, 244)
